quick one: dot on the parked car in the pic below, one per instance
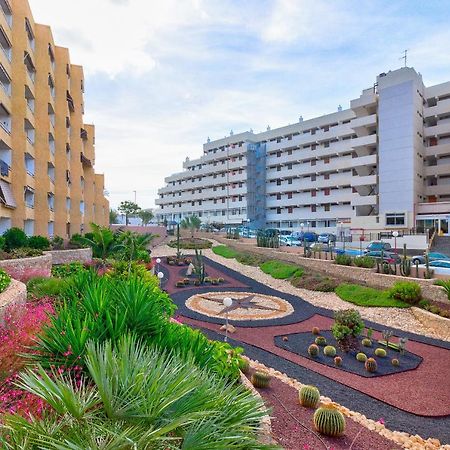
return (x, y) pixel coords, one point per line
(326, 238)
(285, 232)
(439, 267)
(432, 256)
(378, 246)
(289, 241)
(388, 257)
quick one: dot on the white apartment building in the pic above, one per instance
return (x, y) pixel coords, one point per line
(384, 163)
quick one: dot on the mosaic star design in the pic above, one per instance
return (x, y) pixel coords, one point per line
(247, 303)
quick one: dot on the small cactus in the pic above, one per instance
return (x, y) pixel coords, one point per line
(313, 350)
(329, 350)
(380, 352)
(309, 396)
(361, 357)
(285, 338)
(321, 341)
(329, 421)
(395, 362)
(244, 365)
(180, 283)
(260, 379)
(338, 361)
(315, 331)
(371, 365)
(366, 342)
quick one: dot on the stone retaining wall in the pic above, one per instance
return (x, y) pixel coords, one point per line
(25, 268)
(15, 293)
(83, 255)
(432, 321)
(350, 274)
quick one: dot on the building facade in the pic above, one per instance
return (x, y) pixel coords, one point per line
(384, 163)
(47, 181)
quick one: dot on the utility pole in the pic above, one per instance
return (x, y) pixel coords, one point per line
(135, 194)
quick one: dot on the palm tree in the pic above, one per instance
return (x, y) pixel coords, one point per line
(133, 246)
(101, 241)
(191, 223)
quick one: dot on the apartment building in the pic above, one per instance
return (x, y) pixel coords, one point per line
(383, 163)
(48, 185)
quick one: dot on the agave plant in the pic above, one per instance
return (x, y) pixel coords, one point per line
(137, 398)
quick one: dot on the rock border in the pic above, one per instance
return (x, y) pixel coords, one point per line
(432, 321)
(15, 293)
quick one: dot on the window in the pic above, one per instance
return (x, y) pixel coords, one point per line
(326, 176)
(278, 196)
(313, 193)
(290, 181)
(290, 209)
(326, 160)
(395, 219)
(326, 207)
(278, 168)
(289, 166)
(278, 182)
(289, 152)
(313, 208)
(326, 191)
(313, 178)
(313, 162)
(278, 154)
(278, 210)
(289, 195)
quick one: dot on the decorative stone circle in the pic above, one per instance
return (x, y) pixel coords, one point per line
(245, 306)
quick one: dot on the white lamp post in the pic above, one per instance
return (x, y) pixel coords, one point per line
(395, 234)
(160, 277)
(227, 302)
(158, 262)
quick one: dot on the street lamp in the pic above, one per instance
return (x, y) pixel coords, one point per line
(227, 302)
(160, 277)
(395, 234)
(307, 223)
(158, 262)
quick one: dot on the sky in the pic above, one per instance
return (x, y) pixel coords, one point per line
(163, 75)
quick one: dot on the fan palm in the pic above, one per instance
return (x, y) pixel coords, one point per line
(133, 246)
(191, 223)
(101, 241)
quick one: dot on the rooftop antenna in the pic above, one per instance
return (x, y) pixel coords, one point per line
(405, 56)
(339, 108)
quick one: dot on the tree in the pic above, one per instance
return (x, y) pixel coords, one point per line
(146, 216)
(101, 240)
(129, 209)
(133, 246)
(191, 223)
(112, 216)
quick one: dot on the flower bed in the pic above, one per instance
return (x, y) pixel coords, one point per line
(25, 268)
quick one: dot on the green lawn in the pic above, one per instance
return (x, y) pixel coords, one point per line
(281, 270)
(365, 296)
(226, 252)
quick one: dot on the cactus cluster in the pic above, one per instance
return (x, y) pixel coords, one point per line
(244, 365)
(315, 331)
(321, 341)
(309, 396)
(366, 342)
(313, 350)
(329, 421)
(405, 265)
(329, 350)
(371, 365)
(380, 352)
(361, 357)
(199, 266)
(260, 379)
(338, 361)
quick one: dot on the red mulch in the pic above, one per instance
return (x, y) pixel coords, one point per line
(292, 436)
(409, 391)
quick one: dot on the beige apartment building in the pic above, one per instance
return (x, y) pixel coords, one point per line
(382, 164)
(48, 185)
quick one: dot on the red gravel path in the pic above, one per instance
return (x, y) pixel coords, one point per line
(292, 436)
(409, 391)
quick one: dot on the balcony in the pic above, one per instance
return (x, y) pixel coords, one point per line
(439, 169)
(6, 45)
(86, 162)
(367, 180)
(7, 12)
(364, 122)
(367, 99)
(438, 150)
(31, 69)
(433, 208)
(442, 108)
(364, 200)
(5, 119)
(437, 189)
(29, 197)
(29, 131)
(70, 103)
(437, 130)
(364, 141)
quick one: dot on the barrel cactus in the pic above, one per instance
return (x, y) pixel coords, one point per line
(329, 421)
(395, 362)
(361, 357)
(315, 331)
(366, 342)
(309, 396)
(313, 350)
(338, 361)
(260, 379)
(321, 340)
(329, 350)
(371, 365)
(380, 352)
(244, 365)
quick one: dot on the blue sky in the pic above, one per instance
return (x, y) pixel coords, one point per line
(163, 75)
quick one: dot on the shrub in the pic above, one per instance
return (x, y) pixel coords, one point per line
(313, 350)
(226, 252)
(347, 326)
(260, 379)
(380, 352)
(329, 421)
(77, 241)
(364, 261)
(361, 357)
(444, 284)
(309, 396)
(39, 242)
(371, 365)
(424, 304)
(123, 270)
(321, 341)
(25, 252)
(315, 282)
(15, 238)
(329, 350)
(45, 287)
(343, 260)
(366, 296)
(57, 243)
(407, 291)
(2, 242)
(280, 270)
(67, 270)
(5, 280)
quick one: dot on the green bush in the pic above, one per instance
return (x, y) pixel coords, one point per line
(347, 326)
(364, 261)
(39, 242)
(78, 241)
(366, 296)
(315, 282)
(57, 243)
(45, 287)
(67, 270)
(226, 252)
(2, 242)
(122, 270)
(191, 244)
(406, 291)
(281, 270)
(343, 260)
(25, 252)
(15, 238)
(5, 280)
(444, 284)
